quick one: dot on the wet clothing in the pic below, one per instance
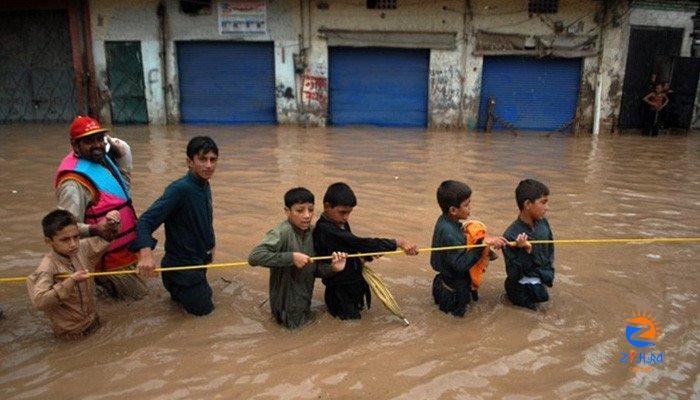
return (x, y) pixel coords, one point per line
(291, 288)
(186, 210)
(109, 193)
(528, 274)
(474, 233)
(77, 192)
(452, 285)
(69, 305)
(195, 298)
(346, 292)
(652, 115)
(75, 197)
(652, 124)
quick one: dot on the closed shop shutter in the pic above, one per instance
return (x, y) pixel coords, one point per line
(530, 93)
(378, 86)
(227, 82)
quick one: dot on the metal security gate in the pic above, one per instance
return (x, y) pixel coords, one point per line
(126, 86)
(36, 70)
(530, 93)
(227, 82)
(378, 86)
(684, 83)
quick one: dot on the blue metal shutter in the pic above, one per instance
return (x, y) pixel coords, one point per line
(227, 82)
(531, 93)
(378, 86)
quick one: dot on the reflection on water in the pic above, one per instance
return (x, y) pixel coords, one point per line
(628, 186)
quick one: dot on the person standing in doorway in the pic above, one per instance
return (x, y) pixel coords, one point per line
(655, 102)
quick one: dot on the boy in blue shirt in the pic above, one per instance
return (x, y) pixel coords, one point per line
(529, 268)
(186, 210)
(452, 284)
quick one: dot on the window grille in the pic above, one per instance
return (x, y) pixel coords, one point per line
(381, 4)
(543, 6)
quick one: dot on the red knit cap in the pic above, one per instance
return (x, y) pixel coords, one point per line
(84, 126)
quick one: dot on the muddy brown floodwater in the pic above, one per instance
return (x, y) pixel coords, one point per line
(610, 187)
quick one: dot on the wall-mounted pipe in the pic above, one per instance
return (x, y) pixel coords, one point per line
(596, 103)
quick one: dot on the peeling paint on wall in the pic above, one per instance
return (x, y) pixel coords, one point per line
(444, 89)
(472, 84)
(583, 123)
(287, 109)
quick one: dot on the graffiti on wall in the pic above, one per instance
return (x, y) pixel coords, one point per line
(314, 91)
(283, 91)
(287, 107)
(445, 88)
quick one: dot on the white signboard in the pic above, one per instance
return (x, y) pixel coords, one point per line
(242, 17)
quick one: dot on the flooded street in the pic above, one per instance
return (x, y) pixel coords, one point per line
(609, 187)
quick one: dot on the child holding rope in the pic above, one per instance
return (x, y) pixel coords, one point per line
(347, 292)
(287, 250)
(69, 303)
(529, 268)
(187, 211)
(452, 286)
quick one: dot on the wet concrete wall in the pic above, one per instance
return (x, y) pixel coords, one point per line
(446, 73)
(680, 18)
(297, 29)
(128, 21)
(138, 20)
(512, 17)
(282, 29)
(616, 44)
(615, 40)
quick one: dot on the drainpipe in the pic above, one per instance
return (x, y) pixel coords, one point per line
(93, 108)
(302, 40)
(466, 16)
(161, 12)
(308, 22)
(597, 105)
(599, 76)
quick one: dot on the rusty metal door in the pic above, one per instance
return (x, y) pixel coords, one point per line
(36, 70)
(126, 86)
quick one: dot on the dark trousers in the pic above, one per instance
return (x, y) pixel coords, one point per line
(346, 300)
(453, 297)
(652, 122)
(525, 295)
(196, 298)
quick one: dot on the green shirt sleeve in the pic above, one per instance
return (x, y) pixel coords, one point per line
(268, 253)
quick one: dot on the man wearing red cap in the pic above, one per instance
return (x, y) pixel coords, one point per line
(91, 181)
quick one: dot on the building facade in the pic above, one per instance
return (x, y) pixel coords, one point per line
(540, 64)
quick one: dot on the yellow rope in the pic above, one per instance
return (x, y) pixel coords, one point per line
(240, 264)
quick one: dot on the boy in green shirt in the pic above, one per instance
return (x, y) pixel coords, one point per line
(287, 250)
